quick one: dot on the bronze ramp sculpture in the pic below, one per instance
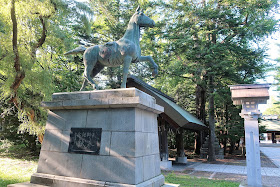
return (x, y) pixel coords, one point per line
(124, 51)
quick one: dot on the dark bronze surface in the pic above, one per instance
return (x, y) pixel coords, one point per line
(85, 141)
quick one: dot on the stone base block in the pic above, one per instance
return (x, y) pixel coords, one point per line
(100, 138)
(165, 164)
(181, 160)
(57, 181)
(26, 184)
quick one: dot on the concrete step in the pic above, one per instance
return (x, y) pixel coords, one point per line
(26, 184)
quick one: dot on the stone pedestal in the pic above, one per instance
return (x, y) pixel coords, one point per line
(101, 138)
(182, 160)
(253, 161)
(249, 96)
(165, 164)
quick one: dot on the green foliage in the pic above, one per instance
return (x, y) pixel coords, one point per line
(273, 109)
(218, 40)
(46, 69)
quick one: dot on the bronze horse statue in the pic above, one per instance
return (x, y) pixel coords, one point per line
(124, 51)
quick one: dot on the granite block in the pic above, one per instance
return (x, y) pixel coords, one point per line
(139, 170)
(26, 184)
(65, 139)
(111, 169)
(123, 170)
(157, 164)
(52, 104)
(95, 167)
(38, 178)
(140, 144)
(123, 144)
(75, 118)
(52, 140)
(56, 120)
(55, 180)
(144, 141)
(85, 104)
(157, 181)
(154, 143)
(76, 182)
(63, 164)
(71, 95)
(149, 122)
(148, 167)
(127, 92)
(123, 119)
(105, 144)
(99, 118)
(138, 120)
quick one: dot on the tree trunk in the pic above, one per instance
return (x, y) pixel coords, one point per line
(180, 143)
(197, 143)
(200, 114)
(211, 152)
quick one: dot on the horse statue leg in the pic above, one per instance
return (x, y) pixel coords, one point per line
(127, 62)
(84, 84)
(92, 66)
(97, 68)
(150, 59)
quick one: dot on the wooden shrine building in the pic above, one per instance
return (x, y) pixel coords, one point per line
(272, 129)
(174, 117)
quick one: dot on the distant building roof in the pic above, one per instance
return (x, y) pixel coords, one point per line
(178, 115)
(271, 125)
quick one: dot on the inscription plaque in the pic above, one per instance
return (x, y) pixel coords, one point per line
(85, 140)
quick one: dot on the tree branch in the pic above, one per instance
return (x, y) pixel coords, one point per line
(42, 39)
(20, 74)
(229, 37)
(14, 40)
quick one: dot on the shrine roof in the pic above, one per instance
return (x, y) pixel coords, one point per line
(177, 114)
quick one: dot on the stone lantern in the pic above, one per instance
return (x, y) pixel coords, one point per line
(249, 96)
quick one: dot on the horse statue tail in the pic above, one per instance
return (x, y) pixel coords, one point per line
(81, 49)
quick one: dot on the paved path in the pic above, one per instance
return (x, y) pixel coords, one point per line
(270, 176)
(273, 153)
(221, 168)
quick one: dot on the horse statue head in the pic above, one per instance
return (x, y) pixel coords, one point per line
(141, 19)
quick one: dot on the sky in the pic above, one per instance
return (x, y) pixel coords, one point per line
(273, 53)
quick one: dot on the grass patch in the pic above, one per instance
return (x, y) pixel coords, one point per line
(185, 180)
(15, 170)
(17, 164)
